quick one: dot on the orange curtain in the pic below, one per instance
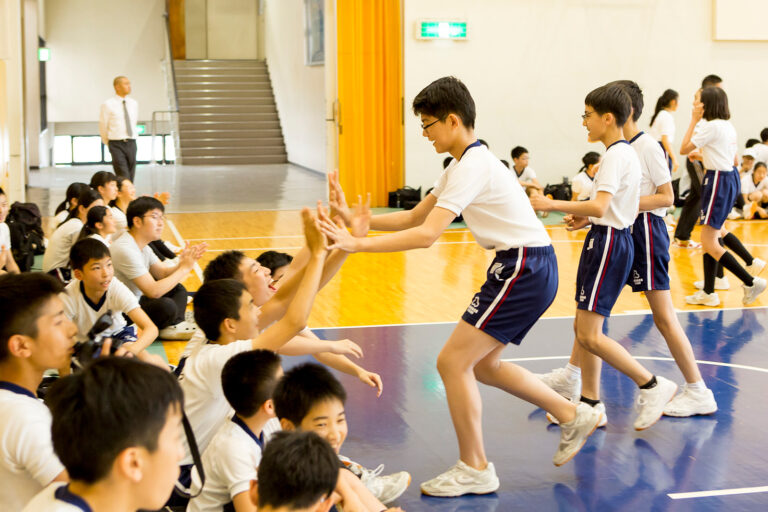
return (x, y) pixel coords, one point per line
(370, 88)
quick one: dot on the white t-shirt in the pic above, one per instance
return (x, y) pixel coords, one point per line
(528, 174)
(100, 238)
(204, 401)
(619, 174)
(57, 252)
(84, 313)
(493, 203)
(131, 262)
(5, 237)
(581, 186)
(230, 463)
(761, 153)
(653, 166)
(121, 222)
(27, 461)
(717, 141)
(664, 124)
(61, 216)
(57, 498)
(748, 184)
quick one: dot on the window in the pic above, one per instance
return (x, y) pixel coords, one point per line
(62, 149)
(88, 149)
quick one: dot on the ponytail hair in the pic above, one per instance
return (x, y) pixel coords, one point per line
(73, 191)
(85, 199)
(590, 158)
(663, 102)
(95, 215)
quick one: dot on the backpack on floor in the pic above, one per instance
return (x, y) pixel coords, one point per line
(405, 197)
(27, 239)
(559, 191)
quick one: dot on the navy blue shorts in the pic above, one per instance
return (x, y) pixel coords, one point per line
(521, 284)
(606, 259)
(718, 193)
(650, 266)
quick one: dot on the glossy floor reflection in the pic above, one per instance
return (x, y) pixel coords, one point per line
(619, 469)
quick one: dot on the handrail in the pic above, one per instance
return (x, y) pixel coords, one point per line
(170, 55)
(172, 89)
(153, 131)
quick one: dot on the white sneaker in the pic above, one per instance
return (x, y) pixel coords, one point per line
(751, 292)
(600, 407)
(735, 214)
(386, 488)
(691, 402)
(704, 299)
(574, 434)
(560, 381)
(721, 283)
(756, 267)
(651, 402)
(182, 331)
(462, 479)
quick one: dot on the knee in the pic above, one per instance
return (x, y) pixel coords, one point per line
(448, 363)
(484, 370)
(587, 340)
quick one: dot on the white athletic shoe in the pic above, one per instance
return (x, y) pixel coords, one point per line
(462, 479)
(735, 214)
(751, 292)
(721, 283)
(651, 402)
(756, 267)
(574, 434)
(599, 407)
(386, 488)
(703, 299)
(558, 379)
(691, 402)
(182, 331)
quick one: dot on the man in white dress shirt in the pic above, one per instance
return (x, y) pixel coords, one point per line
(117, 127)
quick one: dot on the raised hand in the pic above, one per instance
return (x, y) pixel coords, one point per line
(316, 241)
(337, 232)
(361, 217)
(336, 199)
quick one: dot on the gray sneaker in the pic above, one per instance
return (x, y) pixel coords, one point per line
(574, 434)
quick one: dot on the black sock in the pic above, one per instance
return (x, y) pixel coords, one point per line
(734, 244)
(589, 401)
(650, 384)
(720, 271)
(710, 268)
(733, 266)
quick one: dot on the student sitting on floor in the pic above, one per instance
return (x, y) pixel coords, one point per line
(100, 225)
(70, 201)
(754, 189)
(276, 262)
(310, 398)
(230, 461)
(581, 184)
(117, 429)
(7, 263)
(105, 183)
(525, 174)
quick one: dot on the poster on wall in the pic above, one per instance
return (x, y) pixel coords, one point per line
(314, 32)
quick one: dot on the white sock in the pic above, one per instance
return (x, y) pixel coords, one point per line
(572, 372)
(696, 386)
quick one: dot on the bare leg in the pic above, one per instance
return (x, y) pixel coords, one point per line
(679, 345)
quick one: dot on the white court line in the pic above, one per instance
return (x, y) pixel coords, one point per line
(723, 492)
(645, 358)
(180, 241)
(270, 248)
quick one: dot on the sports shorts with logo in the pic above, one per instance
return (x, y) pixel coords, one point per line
(606, 259)
(521, 283)
(718, 193)
(650, 266)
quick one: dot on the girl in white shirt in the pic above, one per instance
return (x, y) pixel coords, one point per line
(70, 202)
(663, 125)
(581, 184)
(100, 224)
(126, 193)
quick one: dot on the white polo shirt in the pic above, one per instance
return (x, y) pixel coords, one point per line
(664, 124)
(230, 463)
(718, 144)
(653, 166)
(5, 237)
(494, 205)
(748, 184)
(121, 222)
(57, 252)
(84, 313)
(619, 174)
(528, 174)
(581, 186)
(112, 125)
(760, 152)
(27, 461)
(57, 498)
(131, 262)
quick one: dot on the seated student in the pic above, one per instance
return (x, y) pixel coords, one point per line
(230, 461)
(525, 174)
(7, 263)
(747, 162)
(126, 193)
(581, 184)
(117, 429)
(56, 257)
(35, 336)
(761, 148)
(94, 291)
(310, 398)
(754, 190)
(276, 262)
(105, 183)
(100, 225)
(70, 201)
(158, 287)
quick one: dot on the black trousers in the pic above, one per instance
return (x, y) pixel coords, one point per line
(167, 310)
(689, 215)
(123, 157)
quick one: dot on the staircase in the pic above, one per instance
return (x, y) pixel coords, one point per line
(227, 113)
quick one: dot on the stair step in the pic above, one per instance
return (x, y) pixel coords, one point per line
(215, 125)
(234, 151)
(224, 86)
(225, 94)
(227, 109)
(219, 63)
(235, 160)
(208, 142)
(222, 79)
(227, 118)
(219, 72)
(212, 133)
(224, 102)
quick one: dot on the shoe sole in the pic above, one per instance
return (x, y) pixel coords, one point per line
(451, 495)
(600, 424)
(566, 461)
(660, 415)
(690, 415)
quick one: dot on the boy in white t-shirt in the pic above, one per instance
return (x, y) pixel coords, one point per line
(525, 173)
(761, 149)
(7, 263)
(607, 256)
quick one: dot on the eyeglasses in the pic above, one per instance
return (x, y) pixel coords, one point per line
(425, 126)
(586, 114)
(156, 217)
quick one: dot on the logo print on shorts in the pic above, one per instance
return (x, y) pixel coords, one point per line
(637, 278)
(472, 309)
(582, 295)
(591, 243)
(496, 270)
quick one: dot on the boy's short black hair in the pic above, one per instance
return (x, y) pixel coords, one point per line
(85, 250)
(140, 206)
(113, 404)
(711, 81)
(224, 266)
(249, 379)
(764, 135)
(635, 94)
(517, 152)
(216, 301)
(611, 99)
(101, 178)
(2, 192)
(752, 142)
(273, 260)
(297, 470)
(447, 161)
(715, 104)
(445, 96)
(22, 297)
(301, 388)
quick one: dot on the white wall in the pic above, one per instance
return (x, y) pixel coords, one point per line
(91, 42)
(299, 89)
(529, 65)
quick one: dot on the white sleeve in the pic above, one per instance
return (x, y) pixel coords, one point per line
(33, 447)
(69, 304)
(763, 185)
(666, 125)
(706, 134)
(123, 299)
(530, 174)
(210, 362)
(237, 469)
(151, 255)
(462, 186)
(439, 185)
(128, 262)
(657, 166)
(576, 185)
(607, 177)
(747, 185)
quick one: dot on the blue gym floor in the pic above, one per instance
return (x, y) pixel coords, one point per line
(409, 427)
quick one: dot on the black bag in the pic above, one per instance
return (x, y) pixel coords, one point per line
(405, 197)
(27, 239)
(559, 191)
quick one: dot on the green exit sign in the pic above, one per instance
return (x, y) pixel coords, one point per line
(455, 30)
(141, 128)
(43, 54)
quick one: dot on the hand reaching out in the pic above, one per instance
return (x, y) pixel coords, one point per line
(371, 379)
(316, 241)
(346, 348)
(336, 199)
(575, 222)
(361, 217)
